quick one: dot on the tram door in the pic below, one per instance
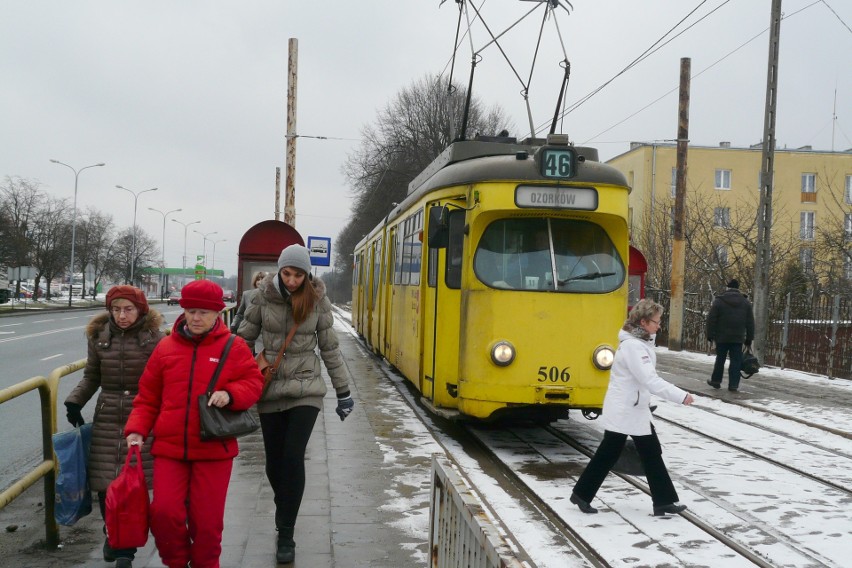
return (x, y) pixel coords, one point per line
(441, 306)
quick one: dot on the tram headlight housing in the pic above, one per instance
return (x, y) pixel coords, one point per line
(603, 357)
(502, 353)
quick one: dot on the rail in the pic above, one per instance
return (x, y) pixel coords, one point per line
(461, 534)
(47, 389)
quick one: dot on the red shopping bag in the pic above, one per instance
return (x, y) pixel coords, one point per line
(127, 505)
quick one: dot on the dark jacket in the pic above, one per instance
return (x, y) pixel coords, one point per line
(115, 362)
(299, 381)
(731, 319)
(179, 370)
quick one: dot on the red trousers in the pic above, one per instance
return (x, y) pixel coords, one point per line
(188, 510)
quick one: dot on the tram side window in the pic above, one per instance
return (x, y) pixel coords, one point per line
(455, 249)
(397, 265)
(377, 266)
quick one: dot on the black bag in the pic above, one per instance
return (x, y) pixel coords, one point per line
(750, 364)
(218, 423)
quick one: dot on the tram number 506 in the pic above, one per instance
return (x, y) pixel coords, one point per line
(553, 374)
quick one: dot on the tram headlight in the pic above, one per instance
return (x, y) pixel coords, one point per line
(603, 357)
(502, 353)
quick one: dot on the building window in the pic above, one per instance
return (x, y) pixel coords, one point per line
(806, 259)
(847, 265)
(807, 225)
(848, 190)
(847, 226)
(723, 179)
(808, 183)
(674, 182)
(722, 217)
(671, 220)
(722, 255)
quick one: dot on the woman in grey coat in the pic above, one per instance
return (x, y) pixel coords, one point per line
(292, 399)
(120, 343)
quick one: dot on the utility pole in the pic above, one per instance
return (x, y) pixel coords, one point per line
(762, 261)
(290, 180)
(679, 244)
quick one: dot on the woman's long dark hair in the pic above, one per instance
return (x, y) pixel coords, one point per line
(303, 299)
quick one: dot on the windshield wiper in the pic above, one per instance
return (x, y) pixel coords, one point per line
(589, 276)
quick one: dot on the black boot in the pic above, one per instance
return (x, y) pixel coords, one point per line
(286, 552)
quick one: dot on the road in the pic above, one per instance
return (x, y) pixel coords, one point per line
(36, 344)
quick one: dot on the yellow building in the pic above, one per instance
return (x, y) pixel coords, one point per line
(812, 190)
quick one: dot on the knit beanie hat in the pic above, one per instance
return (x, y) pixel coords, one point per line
(202, 295)
(296, 256)
(131, 293)
(734, 284)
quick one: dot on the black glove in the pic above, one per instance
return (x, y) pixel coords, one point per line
(344, 407)
(74, 416)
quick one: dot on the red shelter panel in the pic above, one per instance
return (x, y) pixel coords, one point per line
(260, 247)
(636, 269)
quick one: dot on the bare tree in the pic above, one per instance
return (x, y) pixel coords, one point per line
(51, 239)
(95, 235)
(833, 245)
(19, 202)
(409, 132)
(118, 263)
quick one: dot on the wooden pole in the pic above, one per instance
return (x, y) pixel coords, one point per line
(679, 244)
(290, 178)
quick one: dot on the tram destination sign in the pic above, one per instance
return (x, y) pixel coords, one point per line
(582, 198)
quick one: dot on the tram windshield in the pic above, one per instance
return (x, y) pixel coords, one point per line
(525, 254)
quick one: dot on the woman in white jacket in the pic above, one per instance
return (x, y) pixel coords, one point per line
(627, 412)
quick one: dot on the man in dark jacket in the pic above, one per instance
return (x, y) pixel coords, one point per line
(729, 324)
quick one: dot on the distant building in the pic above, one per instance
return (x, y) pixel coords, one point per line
(812, 189)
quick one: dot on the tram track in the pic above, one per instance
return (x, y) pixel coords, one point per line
(746, 535)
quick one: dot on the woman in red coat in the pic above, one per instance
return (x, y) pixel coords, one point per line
(191, 476)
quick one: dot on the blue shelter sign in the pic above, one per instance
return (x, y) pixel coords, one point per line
(320, 251)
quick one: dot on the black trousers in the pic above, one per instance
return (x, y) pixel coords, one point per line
(285, 438)
(735, 350)
(650, 453)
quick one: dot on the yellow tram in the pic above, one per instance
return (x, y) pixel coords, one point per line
(497, 287)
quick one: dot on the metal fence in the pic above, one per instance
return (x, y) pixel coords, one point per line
(814, 336)
(461, 534)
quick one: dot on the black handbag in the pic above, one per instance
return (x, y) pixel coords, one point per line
(218, 423)
(750, 364)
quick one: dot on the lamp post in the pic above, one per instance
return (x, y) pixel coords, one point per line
(163, 251)
(204, 246)
(74, 221)
(185, 226)
(135, 195)
(213, 258)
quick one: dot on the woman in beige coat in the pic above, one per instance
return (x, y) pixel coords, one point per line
(293, 398)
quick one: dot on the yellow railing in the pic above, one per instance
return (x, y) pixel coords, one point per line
(47, 390)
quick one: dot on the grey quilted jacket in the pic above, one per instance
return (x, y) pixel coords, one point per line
(299, 381)
(116, 360)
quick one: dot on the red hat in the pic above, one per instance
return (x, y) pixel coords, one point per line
(202, 295)
(131, 293)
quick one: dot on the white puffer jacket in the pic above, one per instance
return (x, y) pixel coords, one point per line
(632, 381)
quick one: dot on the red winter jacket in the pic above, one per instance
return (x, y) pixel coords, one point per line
(177, 372)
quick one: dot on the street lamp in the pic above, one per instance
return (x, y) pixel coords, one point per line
(213, 259)
(135, 195)
(204, 246)
(163, 251)
(74, 222)
(185, 226)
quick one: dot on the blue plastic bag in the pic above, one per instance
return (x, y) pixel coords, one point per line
(73, 497)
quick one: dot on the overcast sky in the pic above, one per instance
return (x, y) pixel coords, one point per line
(190, 96)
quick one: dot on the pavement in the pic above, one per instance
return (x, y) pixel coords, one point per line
(350, 516)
